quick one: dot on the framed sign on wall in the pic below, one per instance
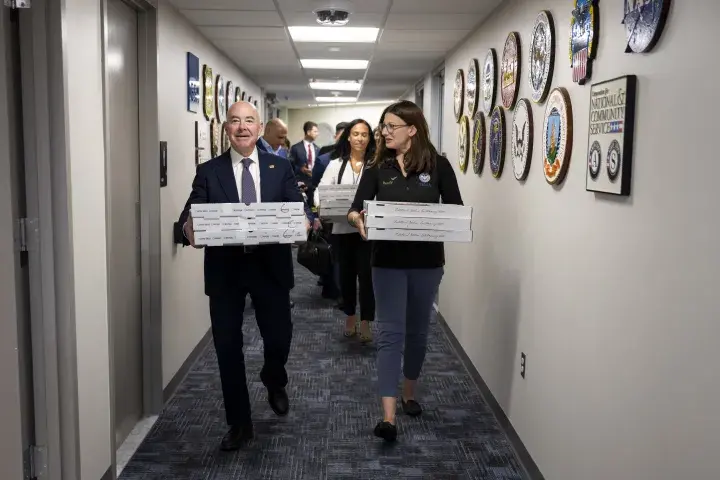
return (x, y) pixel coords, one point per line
(193, 83)
(610, 136)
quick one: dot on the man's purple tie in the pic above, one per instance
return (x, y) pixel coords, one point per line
(249, 195)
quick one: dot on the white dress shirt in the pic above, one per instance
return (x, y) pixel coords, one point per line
(330, 177)
(238, 169)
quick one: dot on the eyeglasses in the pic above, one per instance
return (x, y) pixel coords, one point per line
(390, 127)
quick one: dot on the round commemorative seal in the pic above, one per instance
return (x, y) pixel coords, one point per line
(594, 159)
(614, 160)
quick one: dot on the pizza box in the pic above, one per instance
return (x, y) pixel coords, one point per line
(409, 209)
(418, 223)
(401, 234)
(247, 210)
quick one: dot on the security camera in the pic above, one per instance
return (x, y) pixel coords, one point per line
(332, 12)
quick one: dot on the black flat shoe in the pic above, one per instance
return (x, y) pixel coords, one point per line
(236, 437)
(386, 430)
(279, 401)
(411, 407)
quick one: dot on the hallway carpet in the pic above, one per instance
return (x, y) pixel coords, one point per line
(328, 433)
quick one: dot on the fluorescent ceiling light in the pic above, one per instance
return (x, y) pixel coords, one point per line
(336, 99)
(343, 86)
(330, 64)
(334, 34)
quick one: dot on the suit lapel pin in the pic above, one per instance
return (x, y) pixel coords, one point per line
(271, 166)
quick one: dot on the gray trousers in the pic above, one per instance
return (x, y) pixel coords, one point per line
(404, 302)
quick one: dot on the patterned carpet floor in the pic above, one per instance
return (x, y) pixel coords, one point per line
(328, 433)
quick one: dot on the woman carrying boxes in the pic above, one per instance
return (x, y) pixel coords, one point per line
(336, 189)
(406, 274)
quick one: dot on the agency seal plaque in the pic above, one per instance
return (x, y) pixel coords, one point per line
(583, 39)
(208, 93)
(220, 107)
(497, 141)
(463, 143)
(471, 87)
(510, 70)
(521, 140)
(237, 94)
(644, 21)
(541, 58)
(229, 95)
(458, 94)
(478, 143)
(610, 135)
(489, 81)
(557, 136)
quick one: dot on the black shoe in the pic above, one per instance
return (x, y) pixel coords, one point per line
(386, 430)
(236, 437)
(411, 407)
(279, 401)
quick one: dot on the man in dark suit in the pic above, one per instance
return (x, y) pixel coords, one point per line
(248, 175)
(304, 153)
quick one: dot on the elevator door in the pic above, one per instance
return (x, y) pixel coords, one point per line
(123, 181)
(17, 432)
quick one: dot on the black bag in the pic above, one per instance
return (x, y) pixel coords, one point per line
(316, 255)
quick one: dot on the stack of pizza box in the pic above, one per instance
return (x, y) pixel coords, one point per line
(335, 201)
(222, 224)
(418, 222)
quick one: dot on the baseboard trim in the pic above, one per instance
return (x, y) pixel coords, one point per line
(531, 469)
(177, 379)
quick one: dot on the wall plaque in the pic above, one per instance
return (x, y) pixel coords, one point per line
(644, 21)
(193, 83)
(610, 136)
(458, 94)
(464, 143)
(478, 145)
(557, 136)
(208, 94)
(229, 95)
(541, 57)
(521, 141)
(583, 39)
(497, 141)
(471, 87)
(510, 70)
(489, 81)
(220, 105)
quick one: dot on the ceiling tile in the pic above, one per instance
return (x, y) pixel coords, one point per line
(245, 33)
(233, 18)
(435, 21)
(257, 48)
(351, 51)
(437, 47)
(224, 4)
(423, 35)
(483, 7)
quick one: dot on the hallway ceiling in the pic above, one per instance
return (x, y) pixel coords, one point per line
(414, 36)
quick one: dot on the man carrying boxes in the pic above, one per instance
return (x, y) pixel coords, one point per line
(246, 208)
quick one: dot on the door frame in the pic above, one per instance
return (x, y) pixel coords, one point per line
(150, 220)
(49, 232)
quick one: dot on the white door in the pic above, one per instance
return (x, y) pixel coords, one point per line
(16, 380)
(123, 181)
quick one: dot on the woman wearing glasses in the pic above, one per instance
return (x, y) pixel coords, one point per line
(353, 149)
(406, 275)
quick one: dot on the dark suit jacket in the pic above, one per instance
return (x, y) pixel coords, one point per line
(215, 183)
(298, 157)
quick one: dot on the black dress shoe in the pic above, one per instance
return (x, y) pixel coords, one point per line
(279, 401)
(386, 430)
(411, 407)
(236, 437)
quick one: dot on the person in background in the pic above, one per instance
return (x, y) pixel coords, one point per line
(274, 138)
(329, 283)
(354, 148)
(405, 275)
(265, 272)
(304, 153)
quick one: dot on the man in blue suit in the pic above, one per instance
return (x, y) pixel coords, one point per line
(245, 174)
(304, 154)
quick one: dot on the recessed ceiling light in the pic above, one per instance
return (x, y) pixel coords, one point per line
(328, 63)
(344, 86)
(336, 99)
(334, 34)
(334, 49)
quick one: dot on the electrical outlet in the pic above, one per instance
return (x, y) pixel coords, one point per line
(523, 364)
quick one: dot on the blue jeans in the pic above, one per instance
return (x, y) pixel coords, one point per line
(404, 302)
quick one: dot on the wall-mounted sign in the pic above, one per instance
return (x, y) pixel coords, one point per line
(459, 94)
(464, 143)
(583, 39)
(557, 136)
(489, 81)
(471, 87)
(193, 83)
(541, 57)
(478, 143)
(521, 140)
(510, 70)
(208, 93)
(644, 21)
(610, 136)
(497, 141)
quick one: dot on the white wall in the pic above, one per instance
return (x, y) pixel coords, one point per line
(184, 304)
(85, 145)
(615, 301)
(328, 117)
